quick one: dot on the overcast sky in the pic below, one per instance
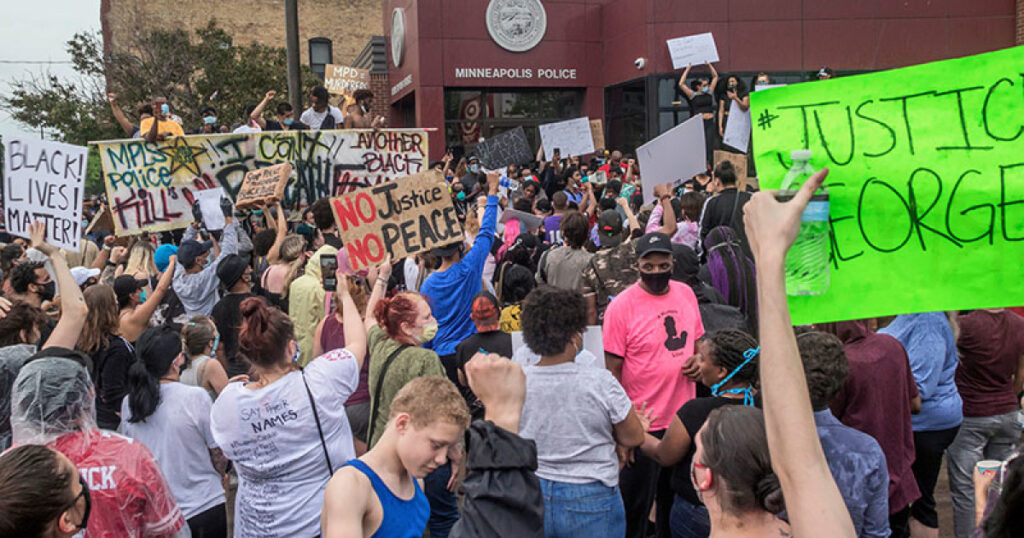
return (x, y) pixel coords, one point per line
(37, 31)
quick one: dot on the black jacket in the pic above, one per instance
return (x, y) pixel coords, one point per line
(725, 209)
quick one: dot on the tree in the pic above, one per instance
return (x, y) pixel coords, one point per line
(190, 71)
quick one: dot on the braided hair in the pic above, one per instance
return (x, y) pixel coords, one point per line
(732, 272)
(737, 352)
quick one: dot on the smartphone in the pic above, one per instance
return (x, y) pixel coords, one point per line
(328, 272)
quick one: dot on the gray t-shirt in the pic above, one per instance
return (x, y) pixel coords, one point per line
(562, 267)
(569, 412)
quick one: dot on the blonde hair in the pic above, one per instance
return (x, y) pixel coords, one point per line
(196, 335)
(358, 292)
(291, 249)
(431, 399)
(472, 225)
(140, 259)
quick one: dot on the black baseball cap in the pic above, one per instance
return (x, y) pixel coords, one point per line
(230, 269)
(126, 285)
(654, 242)
(609, 228)
(192, 249)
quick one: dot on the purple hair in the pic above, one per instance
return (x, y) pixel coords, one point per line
(732, 272)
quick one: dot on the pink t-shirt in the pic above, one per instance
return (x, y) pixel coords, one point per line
(654, 335)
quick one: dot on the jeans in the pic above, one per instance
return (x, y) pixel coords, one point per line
(444, 506)
(929, 448)
(591, 510)
(689, 520)
(979, 438)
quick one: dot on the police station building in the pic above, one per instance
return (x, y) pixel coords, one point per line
(475, 68)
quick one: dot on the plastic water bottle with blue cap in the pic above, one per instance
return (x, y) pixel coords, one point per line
(807, 270)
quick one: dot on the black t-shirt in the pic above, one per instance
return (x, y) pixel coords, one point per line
(693, 414)
(112, 363)
(273, 125)
(492, 342)
(228, 319)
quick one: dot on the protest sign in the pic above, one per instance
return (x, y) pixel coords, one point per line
(926, 183)
(528, 220)
(739, 163)
(263, 186)
(674, 157)
(102, 221)
(597, 133)
(209, 205)
(505, 149)
(400, 218)
(342, 79)
(692, 50)
(762, 87)
(737, 131)
(571, 137)
(44, 181)
(150, 186)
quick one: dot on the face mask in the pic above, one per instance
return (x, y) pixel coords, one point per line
(762, 83)
(461, 196)
(705, 89)
(429, 332)
(216, 342)
(48, 290)
(295, 356)
(475, 168)
(288, 121)
(210, 120)
(656, 282)
(165, 109)
(693, 481)
(142, 298)
(88, 503)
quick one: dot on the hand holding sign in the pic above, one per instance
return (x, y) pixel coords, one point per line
(772, 226)
(37, 238)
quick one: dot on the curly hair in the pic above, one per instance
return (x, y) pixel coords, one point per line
(825, 366)
(262, 241)
(727, 349)
(323, 216)
(551, 317)
(24, 274)
(21, 318)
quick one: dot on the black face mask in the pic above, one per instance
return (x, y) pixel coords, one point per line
(656, 282)
(47, 291)
(88, 503)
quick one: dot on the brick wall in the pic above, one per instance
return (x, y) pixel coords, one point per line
(1020, 22)
(347, 23)
(381, 94)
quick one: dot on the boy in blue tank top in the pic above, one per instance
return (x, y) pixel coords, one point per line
(378, 494)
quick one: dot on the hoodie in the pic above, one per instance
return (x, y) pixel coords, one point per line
(306, 303)
(198, 291)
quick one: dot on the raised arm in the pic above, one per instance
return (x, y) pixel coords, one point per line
(355, 333)
(380, 287)
(813, 501)
(257, 113)
(140, 317)
(282, 230)
(714, 76)
(687, 91)
(633, 223)
(72, 304)
(668, 217)
(122, 120)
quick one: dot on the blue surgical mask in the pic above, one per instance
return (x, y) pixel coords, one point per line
(257, 212)
(210, 120)
(142, 298)
(705, 89)
(475, 168)
(165, 109)
(216, 342)
(288, 121)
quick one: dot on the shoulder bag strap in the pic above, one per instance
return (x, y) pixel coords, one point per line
(319, 429)
(377, 388)
(501, 279)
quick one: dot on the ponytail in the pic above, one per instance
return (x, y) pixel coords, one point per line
(391, 313)
(155, 352)
(265, 332)
(143, 392)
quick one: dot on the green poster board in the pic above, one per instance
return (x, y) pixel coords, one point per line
(926, 183)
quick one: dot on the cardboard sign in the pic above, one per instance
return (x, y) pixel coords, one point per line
(505, 149)
(44, 181)
(674, 157)
(737, 131)
(263, 186)
(571, 137)
(597, 133)
(342, 79)
(151, 186)
(692, 50)
(926, 183)
(102, 221)
(400, 218)
(739, 162)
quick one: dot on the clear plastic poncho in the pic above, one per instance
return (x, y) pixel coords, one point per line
(53, 403)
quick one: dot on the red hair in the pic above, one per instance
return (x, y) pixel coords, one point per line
(391, 313)
(265, 332)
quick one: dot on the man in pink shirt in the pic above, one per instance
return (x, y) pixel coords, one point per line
(649, 332)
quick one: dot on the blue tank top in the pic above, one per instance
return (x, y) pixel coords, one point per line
(400, 519)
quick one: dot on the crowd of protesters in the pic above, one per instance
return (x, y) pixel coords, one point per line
(618, 369)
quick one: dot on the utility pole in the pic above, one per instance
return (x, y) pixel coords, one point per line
(291, 26)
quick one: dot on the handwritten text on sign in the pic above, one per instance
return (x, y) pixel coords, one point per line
(44, 182)
(400, 218)
(151, 186)
(927, 175)
(263, 186)
(344, 79)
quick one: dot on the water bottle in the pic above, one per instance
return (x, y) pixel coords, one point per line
(508, 183)
(807, 270)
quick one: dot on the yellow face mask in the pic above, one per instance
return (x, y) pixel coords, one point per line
(429, 332)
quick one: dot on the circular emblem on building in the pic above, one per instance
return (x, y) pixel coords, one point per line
(397, 36)
(516, 25)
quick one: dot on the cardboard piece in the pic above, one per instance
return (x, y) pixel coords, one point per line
(402, 217)
(737, 130)
(343, 80)
(739, 162)
(263, 186)
(597, 133)
(570, 137)
(209, 204)
(674, 157)
(102, 221)
(44, 181)
(508, 148)
(692, 50)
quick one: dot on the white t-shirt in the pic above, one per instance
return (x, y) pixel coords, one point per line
(314, 119)
(178, 435)
(271, 436)
(246, 129)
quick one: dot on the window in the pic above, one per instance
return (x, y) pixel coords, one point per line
(625, 107)
(321, 53)
(472, 114)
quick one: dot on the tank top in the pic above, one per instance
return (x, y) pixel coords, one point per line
(195, 374)
(399, 518)
(332, 337)
(702, 103)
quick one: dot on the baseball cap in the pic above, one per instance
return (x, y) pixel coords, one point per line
(654, 242)
(446, 251)
(230, 269)
(192, 249)
(473, 159)
(162, 256)
(126, 285)
(485, 312)
(81, 274)
(609, 228)
(825, 72)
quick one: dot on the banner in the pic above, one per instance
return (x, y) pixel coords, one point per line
(926, 183)
(344, 80)
(400, 218)
(44, 181)
(152, 186)
(570, 137)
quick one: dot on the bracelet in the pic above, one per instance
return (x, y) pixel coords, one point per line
(382, 281)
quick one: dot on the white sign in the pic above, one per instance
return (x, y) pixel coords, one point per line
(737, 131)
(591, 355)
(692, 50)
(674, 157)
(571, 137)
(209, 204)
(767, 87)
(44, 181)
